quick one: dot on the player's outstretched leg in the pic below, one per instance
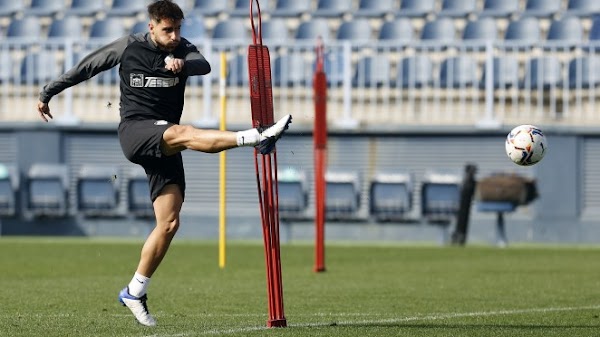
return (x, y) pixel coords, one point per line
(138, 307)
(270, 135)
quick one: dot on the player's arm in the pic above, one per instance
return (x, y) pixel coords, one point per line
(192, 64)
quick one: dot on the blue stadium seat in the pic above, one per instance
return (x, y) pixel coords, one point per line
(390, 196)
(9, 187)
(500, 8)
(97, 190)
(127, 7)
(342, 199)
(290, 8)
(584, 72)
(85, 7)
(7, 74)
(45, 7)
(209, 7)
(231, 29)
(192, 28)
(141, 26)
(416, 8)
(458, 72)
(439, 31)
(332, 8)
(139, 203)
(275, 30)
(39, 68)
(458, 8)
(566, 32)
(505, 73)
(11, 7)
(440, 196)
(291, 70)
(242, 7)
(66, 27)
(357, 30)
(334, 67)
(583, 8)
(542, 8)
(28, 27)
(293, 193)
(311, 29)
(372, 71)
(481, 29)
(415, 72)
(237, 72)
(110, 28)
(379, 8)
(398, 30)
(542, 73)
(523, 32)
(47, 190)
(594, 34)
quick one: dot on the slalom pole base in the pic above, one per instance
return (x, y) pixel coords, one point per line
(319, 269)
(277, 323)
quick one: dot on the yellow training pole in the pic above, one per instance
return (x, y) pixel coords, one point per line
(223, 163)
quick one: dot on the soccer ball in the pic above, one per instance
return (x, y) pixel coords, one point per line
(526, 145)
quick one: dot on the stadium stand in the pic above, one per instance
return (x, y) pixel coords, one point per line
(458, 72)
(28, 27)
(524, 32)
(37, 68)
(238, 70)
(138, 192)
(127, 7)
(293, 193)
(334, 68)
(373, 9)
(481, 29)
(584, 72)
(97, 190)
(439, 31)
(242, 7)
(500, 8)
(397, 30)
(66, 27)
(542, 8)
(416, 8)
(47, 189)
(333, 8)
(9, 187)
(209, 7)
(390, 196)
(583, 8)
(567, 31)
(291, 70)
(440, 196)
(291, 8)
(45, 7)
(372, 71)
(357, 30)
(109, 28)
(141, 26)
(458, 8)
(193, 28)
(313, 28)
(275, 30)
(415, 72)
(11, 7)
(505, 73)
(231, 29)
(543, 72)
(342, 200)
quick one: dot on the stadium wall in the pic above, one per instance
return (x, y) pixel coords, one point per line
(567, 210)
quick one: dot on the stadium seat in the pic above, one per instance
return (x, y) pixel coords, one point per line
(28, 27)
(47, 190)
(242, 7)
(293, 193)
(372, 71)
(192, 28)
(500, 8)
(542, 8)
(398, 30)
(481, 30)
(11, 7)
(440, 196)
(505, 73)
(357, 30)
(127, 7)
(379, 8)
(209, 7)
(523, 32)
(334, 67)
(85, 7)
(275, 30)
(342, 199)
(141, 26)
(39, 69)
(333, 8)
(439, 32)
(9, 186)
(416, 8)
(232, 29)
(7, 74)
(291, 70)
(566, 32)
(110, 28)
(97, 190)
(237, 73)
(584, 72)
(311, 29)
(458, 8)
(66, 27)
(458, 72)
(594, 35)
(542, 72)
(139, 203)
(390, 196)
(583, 8)
(291, 8)
(45, 7)
(415, 72)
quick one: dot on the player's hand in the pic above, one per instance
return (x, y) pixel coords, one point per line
(44, 111)
(174, 65)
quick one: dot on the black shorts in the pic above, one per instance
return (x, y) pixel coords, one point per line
(140, 142)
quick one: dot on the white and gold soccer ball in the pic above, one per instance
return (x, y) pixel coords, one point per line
(526, 145)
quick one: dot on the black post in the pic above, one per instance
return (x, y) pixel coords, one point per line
(459, 237)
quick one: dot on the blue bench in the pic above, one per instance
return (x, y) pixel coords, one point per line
(499, 207)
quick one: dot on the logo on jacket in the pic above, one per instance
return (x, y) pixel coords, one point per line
(141, 81)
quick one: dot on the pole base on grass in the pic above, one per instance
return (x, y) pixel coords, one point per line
(277, 323)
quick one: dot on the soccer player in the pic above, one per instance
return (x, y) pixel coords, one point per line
(153, 69)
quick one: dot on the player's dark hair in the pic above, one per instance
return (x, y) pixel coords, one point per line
(165, 9)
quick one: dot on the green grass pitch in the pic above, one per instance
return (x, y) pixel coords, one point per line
(68, 287)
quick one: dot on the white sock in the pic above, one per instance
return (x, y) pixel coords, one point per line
(138, 285)
(249, 137)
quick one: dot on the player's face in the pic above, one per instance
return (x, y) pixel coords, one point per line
(166, 33)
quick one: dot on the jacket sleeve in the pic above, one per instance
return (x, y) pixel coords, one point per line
(196, 64)
(97, 61)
